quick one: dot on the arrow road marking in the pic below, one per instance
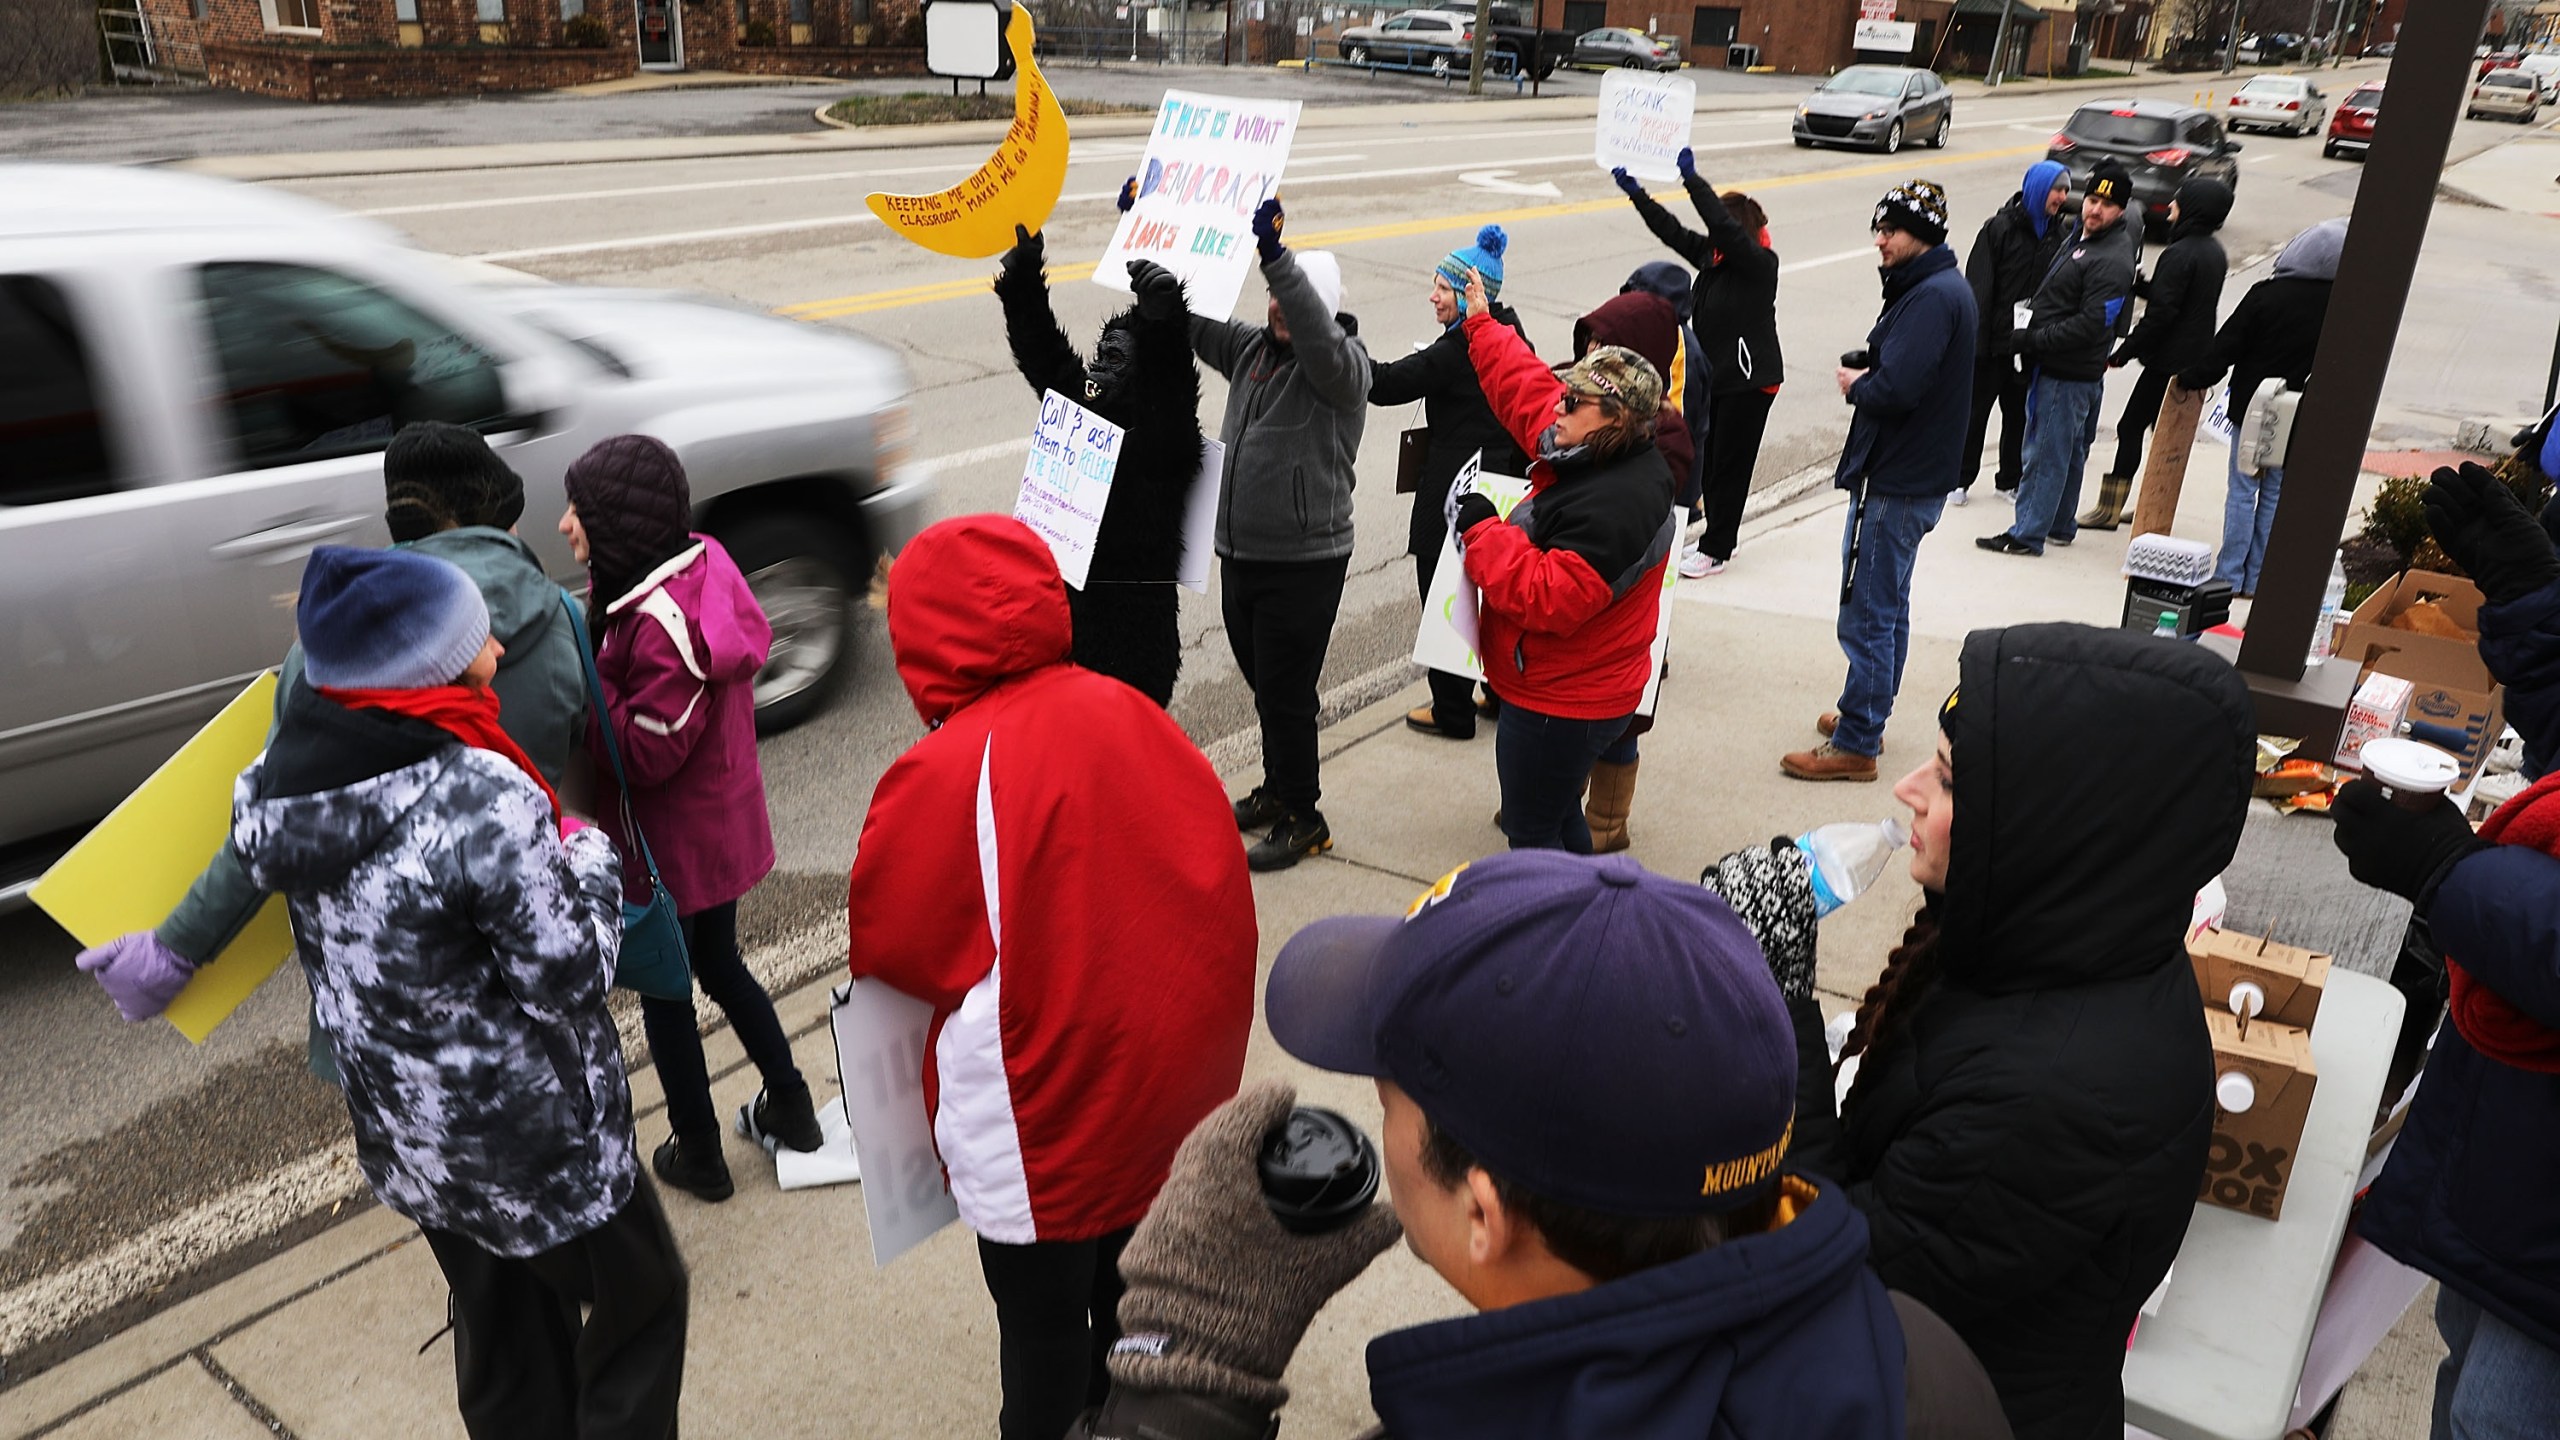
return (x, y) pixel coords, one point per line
(1492, 180)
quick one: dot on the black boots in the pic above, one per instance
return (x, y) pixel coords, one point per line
(694, 1166)
(1297, 836)
(1260, 810)
(789, 1119)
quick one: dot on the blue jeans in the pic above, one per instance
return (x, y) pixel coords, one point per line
(2248, 517)
(1875, 626)
(2062, 422)
(1543, 762)
(2494, 1384)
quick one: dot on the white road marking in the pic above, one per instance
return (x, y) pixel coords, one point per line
(1793, 266)
(1492, 180)
(961, 459)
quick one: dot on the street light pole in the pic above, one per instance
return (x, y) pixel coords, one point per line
(2000, 46)
(2231, 41)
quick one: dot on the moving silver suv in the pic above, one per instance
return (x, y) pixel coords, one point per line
(197, 380)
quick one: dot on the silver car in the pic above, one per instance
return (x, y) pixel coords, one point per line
(197, 380)
(1878, 106)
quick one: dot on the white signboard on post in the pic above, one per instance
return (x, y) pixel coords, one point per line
(1897, 36)
(2216, 420)
(880, 1036)
(964, 39)
(1210, 163)
(1645, 122)
(1066, 481)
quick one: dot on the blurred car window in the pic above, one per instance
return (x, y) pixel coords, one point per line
(314, 364)
(50, 428)
(2119, 127)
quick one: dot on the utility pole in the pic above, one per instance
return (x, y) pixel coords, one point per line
(2000, 46)
(1475, 54)
(2231, 41)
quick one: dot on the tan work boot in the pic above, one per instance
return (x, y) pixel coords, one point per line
(1826, 722)
(1828, 762)
(2115, 493)
(1612, 794)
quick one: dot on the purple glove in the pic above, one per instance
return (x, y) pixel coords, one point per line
(138, 973)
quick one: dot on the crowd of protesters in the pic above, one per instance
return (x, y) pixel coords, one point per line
(1951, 1241)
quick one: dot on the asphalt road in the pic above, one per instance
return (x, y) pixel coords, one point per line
(105, 1130)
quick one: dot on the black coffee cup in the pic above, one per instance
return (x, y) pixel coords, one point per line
(1318, 1171)
(1858, 360)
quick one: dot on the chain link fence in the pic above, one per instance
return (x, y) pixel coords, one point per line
(47, 47)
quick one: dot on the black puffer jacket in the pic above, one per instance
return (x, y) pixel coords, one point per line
(1442, 377)
(1734, 307)
(2079, 305)
(2029, 1129)
(2184, 293)
(2007, 262)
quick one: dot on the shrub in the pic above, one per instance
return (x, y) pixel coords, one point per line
(588, 31)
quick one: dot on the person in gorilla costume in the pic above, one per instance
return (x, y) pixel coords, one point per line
(1142, 379)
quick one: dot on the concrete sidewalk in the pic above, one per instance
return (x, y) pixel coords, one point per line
(794, 1333)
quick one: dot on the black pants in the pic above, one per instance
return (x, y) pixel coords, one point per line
(675, 1044)
(1453, 696)
(1737, 421)
(1130, 631)
(527, 1367)
(1057, 1317)
(1997, 383)
(2140, 409)
(1279, 623)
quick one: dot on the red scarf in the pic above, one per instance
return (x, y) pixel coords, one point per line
(2483, 1016)
(468, 713)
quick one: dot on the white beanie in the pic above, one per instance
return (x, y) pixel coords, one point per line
(1324, 272)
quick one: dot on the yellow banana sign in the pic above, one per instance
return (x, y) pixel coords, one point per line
(1019, 184)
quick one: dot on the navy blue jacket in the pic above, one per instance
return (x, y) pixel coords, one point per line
(1907, 435)
(2469, 1194)
(1785, 1333)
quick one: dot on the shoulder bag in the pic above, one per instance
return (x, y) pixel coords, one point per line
(652, 960)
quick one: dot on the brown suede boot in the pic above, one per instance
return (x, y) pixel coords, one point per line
(2114, 507)
(1612, 794)
(1828, 762)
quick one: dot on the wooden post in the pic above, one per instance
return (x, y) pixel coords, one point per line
(2164, 472)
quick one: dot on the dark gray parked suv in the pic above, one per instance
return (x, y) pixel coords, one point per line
(2160, 143)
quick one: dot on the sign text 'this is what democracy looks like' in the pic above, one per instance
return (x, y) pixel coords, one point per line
(1210, 182)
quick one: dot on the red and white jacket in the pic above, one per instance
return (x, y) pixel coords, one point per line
(1572, 578)
(1055, 870)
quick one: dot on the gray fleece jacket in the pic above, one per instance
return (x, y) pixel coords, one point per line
(1293, 423)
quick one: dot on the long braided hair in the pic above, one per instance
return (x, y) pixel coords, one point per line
(1908, 974)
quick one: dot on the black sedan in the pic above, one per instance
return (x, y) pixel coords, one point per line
(1879, 106)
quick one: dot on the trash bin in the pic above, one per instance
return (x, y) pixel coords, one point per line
(2080, 57)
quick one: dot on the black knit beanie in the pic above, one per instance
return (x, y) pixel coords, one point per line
(437, 476)
(636, 508)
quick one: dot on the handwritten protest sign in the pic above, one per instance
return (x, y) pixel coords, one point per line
(1645, 122)
(1066, 481)
(130, 871)
(1662, 623)
(2217, 421)
(1200, 519)
(1210, 163)
(1448, 635)
(880, 1040)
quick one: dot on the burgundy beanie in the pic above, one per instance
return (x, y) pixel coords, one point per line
(635, 506)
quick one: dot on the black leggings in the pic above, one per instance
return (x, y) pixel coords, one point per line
(1057, 1317)
(2140, 409)
(1997, 383)
(1739, 419)
(528, 1366)
(675, 1039)
(1279, 618)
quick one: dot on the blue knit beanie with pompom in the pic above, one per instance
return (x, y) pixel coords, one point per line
(1484, 257)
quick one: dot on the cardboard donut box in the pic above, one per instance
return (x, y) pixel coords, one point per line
(2451, 701)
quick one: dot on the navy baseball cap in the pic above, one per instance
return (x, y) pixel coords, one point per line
(1601, 1035)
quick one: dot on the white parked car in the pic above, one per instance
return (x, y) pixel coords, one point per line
(197, 380)
(2287, 103)
(2546, 70)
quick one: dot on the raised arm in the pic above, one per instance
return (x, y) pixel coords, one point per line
(1040, 349)
(1684, 242)
(1335, 363)
(1519, 388)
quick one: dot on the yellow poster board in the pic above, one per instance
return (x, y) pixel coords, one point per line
(134, 868)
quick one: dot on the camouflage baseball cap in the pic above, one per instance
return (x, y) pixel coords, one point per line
(1616, 373)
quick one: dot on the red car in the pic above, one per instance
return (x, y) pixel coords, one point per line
(2351, 125)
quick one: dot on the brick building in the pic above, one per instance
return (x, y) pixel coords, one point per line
(370, 49)
(1816, 37)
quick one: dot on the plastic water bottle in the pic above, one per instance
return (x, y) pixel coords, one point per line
(2167, 629)
(1847, 857)
(2333, 604)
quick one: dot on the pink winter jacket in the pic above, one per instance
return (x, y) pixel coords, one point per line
(678, 656)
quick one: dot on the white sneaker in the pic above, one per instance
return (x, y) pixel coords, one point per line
(1698, 565)
(1960, 497)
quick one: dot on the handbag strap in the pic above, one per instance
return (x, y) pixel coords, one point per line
(604, 724)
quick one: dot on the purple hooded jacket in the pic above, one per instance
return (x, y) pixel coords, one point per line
(678, 656)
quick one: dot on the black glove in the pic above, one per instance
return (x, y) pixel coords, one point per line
(2407, 852)
(1159, 290)
(1267, 220)
(2120, 359)
(1474, 510)
(1028, 254)
(1772, 890)
(1128, 194)
(1627, 182)
(1688, 165)
(2490, 534)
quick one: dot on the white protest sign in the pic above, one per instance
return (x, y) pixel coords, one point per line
(880, 1035)
(2216, 419)
(1210, 163)
(1645, 122)
(1896, 36)
(1448, 634)
(1662, 621)
(1066, 481)
(1200, 519)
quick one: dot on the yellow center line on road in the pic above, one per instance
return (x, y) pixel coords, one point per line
(871, 301)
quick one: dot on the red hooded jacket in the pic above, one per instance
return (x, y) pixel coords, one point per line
(1571, 581)
(1055, 870)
